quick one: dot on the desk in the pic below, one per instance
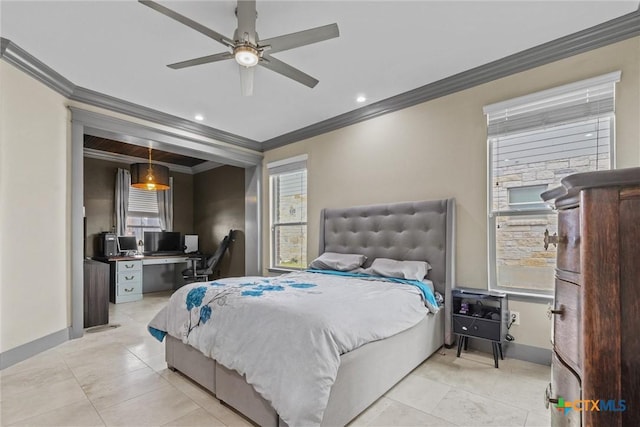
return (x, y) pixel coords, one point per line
(130, 277)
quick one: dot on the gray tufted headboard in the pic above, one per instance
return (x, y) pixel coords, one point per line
(413, 231)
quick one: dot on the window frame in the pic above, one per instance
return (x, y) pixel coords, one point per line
(275, 169)
(142, 228)
(142, 214)
(523, 210)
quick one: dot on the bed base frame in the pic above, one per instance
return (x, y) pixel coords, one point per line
(364, 375)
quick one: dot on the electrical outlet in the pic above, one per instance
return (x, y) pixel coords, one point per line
(515, 317)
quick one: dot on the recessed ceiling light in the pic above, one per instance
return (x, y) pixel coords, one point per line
(199, 117)
(361, 98)
(589, 134)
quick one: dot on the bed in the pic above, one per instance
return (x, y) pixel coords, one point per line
(411, 231)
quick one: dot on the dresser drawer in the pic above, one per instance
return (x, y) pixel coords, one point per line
(476, 327)
(133, 288)
(129, 277)
(569, 240)
(127, 266)
(565, 385)
(567, 333)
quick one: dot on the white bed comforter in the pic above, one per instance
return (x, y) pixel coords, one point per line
(286, 333)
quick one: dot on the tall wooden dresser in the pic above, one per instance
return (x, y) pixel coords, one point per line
(595, 372)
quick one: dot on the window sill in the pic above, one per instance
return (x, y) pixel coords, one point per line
(525, 296)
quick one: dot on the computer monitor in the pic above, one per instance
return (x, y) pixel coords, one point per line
(127, 244)
(163, 242)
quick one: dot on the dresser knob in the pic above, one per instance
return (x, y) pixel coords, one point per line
(551, 312)
(548, 239)
(547, 397)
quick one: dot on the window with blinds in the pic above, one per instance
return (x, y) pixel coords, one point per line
(142, 202)
(142, 214)
(288, 197)
(533, 142)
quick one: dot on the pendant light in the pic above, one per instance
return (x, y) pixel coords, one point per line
(149, 177)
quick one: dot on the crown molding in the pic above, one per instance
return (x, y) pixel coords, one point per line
(615, 30)
(123, 158)
(105, 126)
(31, 65)
(91, 97)
(26, 62)
(203, 167)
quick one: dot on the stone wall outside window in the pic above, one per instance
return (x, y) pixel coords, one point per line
(521, 259)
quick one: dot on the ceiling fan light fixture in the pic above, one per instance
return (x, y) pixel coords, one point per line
(245, 55)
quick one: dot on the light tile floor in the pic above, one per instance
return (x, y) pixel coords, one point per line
(118, 377)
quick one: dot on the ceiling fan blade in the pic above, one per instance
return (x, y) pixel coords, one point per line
(301, 38)
(246, 12)
(246, 80)
(202, 60)
(288, 71)
(188, 22)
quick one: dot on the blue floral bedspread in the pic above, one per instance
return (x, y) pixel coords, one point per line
(286, 333)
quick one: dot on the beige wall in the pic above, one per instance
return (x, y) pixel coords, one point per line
(35, 196)
(438, 149)
(34, 210)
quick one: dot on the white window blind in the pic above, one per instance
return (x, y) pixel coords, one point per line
(534, 141)
(564, 104)
(142, 202)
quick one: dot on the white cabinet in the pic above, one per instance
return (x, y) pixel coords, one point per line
(126, 281)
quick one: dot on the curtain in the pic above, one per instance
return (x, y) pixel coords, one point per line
(165, 207)
(123, 182)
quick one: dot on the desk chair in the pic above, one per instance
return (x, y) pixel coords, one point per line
(195, 274)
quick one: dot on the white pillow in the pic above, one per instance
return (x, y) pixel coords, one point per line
(412, 270)
(336, 261)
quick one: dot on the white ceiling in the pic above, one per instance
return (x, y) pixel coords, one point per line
(121, 48)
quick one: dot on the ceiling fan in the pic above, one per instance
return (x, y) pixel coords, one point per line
(247, 49)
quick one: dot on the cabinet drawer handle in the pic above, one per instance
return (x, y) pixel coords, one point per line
(128, 290)
(129, 278)
(129, 265)
(548, 239)
(547, 397)
(552, 312)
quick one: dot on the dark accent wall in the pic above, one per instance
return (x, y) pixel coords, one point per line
(182, 202)
(218, 196)
(99, 199)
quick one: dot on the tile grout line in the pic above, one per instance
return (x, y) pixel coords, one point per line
(83, 391)
(417, 409)
(197, 404)
(477, 394)
(177, 389)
